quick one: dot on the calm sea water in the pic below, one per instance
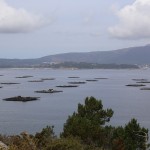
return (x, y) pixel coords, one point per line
(53, 109)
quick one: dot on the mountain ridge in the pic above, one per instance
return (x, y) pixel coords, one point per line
(132, 55)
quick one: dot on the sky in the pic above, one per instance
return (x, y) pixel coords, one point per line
(33, 29)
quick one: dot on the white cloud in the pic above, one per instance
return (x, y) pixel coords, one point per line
(14, 20)
(134, 21)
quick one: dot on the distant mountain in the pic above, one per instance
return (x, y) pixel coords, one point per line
(133, 55)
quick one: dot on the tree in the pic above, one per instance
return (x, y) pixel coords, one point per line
(88, 122)
(136, 137)
(118, 139)
(131, 137)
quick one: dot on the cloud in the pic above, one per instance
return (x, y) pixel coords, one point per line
(134, 21)
(14, 20)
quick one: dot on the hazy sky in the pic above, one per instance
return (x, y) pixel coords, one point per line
(31, 28)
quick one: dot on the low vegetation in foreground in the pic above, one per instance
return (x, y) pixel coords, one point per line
(86, 129)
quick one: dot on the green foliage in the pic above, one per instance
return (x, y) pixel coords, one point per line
(131, 137)
(84, 65)
(87, 123)
(136, 137)
(65, 144)
(118, 139)
(45, 136)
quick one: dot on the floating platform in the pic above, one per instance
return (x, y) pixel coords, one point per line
(47, 79)
(92, 80)
(80, 82)
(48, 91)
(9, 83)
(67, 86)
(25, 76)
(35, 81)
(143, 82)
(74, 77)
(100, 78)
(21, 99)
(139, 79)
(145, 88)
(135, 85)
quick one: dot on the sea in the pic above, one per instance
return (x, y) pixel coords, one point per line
(54, 108)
